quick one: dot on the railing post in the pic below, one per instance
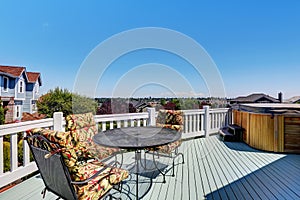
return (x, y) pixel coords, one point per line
(151, 119)
(206, 121)
(58, 119)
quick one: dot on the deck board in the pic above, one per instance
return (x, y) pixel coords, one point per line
(212, 170)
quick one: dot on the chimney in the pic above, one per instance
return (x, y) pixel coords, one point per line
(280, 97)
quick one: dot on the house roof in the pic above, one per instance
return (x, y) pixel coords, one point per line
(34, 77)
(293, 99)
(254, 98)
(13, 71)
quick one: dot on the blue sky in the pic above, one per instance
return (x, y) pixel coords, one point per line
(254, 44)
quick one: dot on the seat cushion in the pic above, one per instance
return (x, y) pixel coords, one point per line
(96, 188)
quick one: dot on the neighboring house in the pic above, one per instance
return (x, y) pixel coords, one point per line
(257, 98)
(19, 91)
(295, 99)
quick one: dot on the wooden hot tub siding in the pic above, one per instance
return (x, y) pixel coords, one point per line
(292, 134)
(276, 133)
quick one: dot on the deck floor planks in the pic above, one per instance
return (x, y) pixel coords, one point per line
(217, 171)
(274, 168)
(265, 179)
(266, 176)
(201, 168)
(166, 190)
(213, 169)
(280, 185)
(210, 180)
(231, 174)
(251, 185)
(238, 171)
(188, 176)
(195, 180)
(220, 168)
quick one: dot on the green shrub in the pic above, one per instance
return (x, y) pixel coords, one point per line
(6, 155)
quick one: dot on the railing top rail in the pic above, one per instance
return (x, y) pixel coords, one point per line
(114, 117)
(218, 110)
(24, 126)
(193, 111)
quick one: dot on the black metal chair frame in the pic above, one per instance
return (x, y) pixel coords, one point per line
(54, 171)
(174, 154)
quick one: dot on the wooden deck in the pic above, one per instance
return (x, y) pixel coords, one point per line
(212, 170)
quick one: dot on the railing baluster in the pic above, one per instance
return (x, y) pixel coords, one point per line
(190, 123)
(138, 123)
(111, 124)
(125, 123)
(132, 122)
(185, 124)
(26, 152)
(202, 122)
(118, 124)
(14, 151)
(103, 126)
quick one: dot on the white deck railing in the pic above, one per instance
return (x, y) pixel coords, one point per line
(200, 122)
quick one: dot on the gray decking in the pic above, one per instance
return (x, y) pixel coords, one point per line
(212, 170)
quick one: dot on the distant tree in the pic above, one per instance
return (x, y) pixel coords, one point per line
(170, 106)
(82, 104)
(163, 101)
(61, 100)
(115, 106)
(189, 103)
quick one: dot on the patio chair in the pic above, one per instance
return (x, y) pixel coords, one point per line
(173, 120)
(64, 174)
(82, 128)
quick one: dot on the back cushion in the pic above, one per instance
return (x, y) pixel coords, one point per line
(82, 128)
(64, 139)
(170, 119)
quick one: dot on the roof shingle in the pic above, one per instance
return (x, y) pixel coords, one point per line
(14, 71)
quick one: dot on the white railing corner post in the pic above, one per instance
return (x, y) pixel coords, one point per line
(151, 119)
(58, 119)
(206, 121)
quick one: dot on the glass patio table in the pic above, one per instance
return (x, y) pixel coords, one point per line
(137, 138)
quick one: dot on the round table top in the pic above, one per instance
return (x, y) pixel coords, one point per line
(136, 137)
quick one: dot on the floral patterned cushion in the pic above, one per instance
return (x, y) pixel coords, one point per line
(78, 121)
(64, 139)
(173, 117)
(80, 171)
(83, 128)
(96, 188)
(169, 119)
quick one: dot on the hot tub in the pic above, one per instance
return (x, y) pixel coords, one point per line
(270, 127)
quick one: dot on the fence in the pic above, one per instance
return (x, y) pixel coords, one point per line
(200, 122)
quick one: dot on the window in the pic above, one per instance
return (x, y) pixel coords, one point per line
(18, 111)
(21, 86)
(5, 84)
